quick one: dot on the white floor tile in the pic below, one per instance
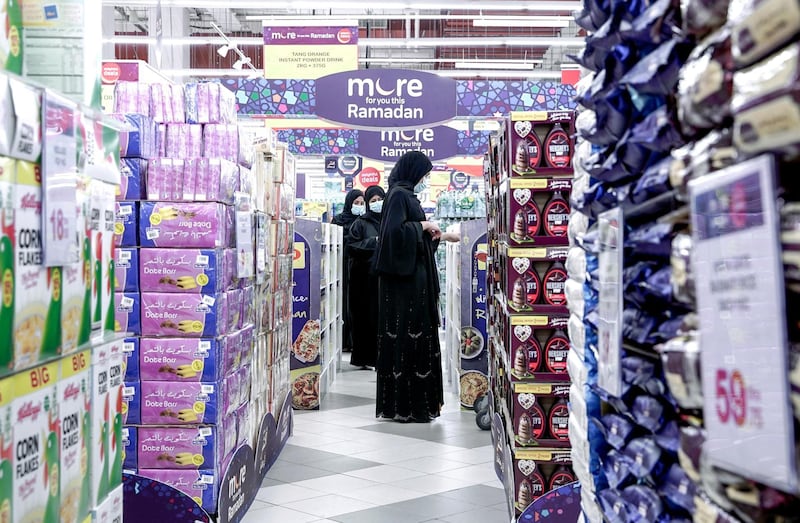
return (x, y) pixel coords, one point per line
(273, 514)
(386, 473)
(330, 506)
(434, 484)
(385, 494)
(282, 494)
(430, 465)
(336, 484)
(477, 473)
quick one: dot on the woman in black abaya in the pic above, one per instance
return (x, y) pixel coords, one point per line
(353, 208)
(364, 283)
(409, 358)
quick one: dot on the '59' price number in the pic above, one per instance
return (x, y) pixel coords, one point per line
(735, 402)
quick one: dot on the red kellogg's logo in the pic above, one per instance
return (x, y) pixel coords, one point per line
(29, 410)
(31, 202)
(72, 391)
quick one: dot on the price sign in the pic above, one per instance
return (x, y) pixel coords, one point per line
(59, 181)
(609, 306)
(262, 230)
(245, 252)
(740, 299)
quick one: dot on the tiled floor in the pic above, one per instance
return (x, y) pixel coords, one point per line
(344, 465)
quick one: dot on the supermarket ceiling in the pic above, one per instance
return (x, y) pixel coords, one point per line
(502, 39)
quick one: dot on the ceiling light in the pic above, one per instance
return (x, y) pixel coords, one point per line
(524, 21)
(519, 66)
(240, 63)
(223, 51)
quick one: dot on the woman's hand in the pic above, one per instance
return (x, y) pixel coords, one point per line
(432, 229)
(451, 237)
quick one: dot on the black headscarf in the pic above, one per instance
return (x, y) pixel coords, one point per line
(373, 190)
(409, 170)
(346, 217)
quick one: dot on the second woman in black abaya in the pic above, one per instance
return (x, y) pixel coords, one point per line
(345, 219)
(409, 368)
(363, 299)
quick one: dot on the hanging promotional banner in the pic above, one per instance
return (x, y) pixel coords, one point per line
(298, 50)
(611, 227)
(743, 339)
(437, 143)
(382, 98)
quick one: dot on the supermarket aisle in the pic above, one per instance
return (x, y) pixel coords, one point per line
(344, 465)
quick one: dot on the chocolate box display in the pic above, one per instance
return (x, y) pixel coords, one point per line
(188, 315)
(534, 279)
(182, 270)
(126, 270)
(536, 347)
(533, 212)
(201, 225)
(535, 472)
(540, 414)
(540, 143)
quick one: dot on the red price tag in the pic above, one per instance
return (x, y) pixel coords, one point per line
(731, 397)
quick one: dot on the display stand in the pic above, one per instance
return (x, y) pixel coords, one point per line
(317, 318)
(527, 205)
(466, 342)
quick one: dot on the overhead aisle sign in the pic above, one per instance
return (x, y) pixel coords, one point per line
(295, 49)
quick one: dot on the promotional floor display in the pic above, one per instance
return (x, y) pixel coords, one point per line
(528, 187)
(465, 350)
(203, 297)
(682, 273)
(317, 317)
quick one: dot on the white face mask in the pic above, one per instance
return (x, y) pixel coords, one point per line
(359, 210)
(376, 207)
(421, 186)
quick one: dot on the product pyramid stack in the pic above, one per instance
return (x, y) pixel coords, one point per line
(187, 285)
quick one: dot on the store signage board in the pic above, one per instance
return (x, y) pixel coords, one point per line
(295, 49)
(245, 249)
(59, 181)
(609, 307)
(438, 143)
(740, 300)
(377, 99)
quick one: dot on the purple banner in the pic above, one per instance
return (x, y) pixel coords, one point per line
(438, 143)
(288, 35)
(377, 99)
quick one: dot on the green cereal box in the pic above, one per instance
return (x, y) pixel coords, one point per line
(99, 435)
(74, 406)
(37, 289)
(102, 214)
(77, 281)
(116, 375)
(8, 179)
(6, 448)
(36, 447)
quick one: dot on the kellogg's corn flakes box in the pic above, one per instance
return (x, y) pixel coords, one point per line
(8, 178)
(116, 373)
(77, 280)
(99, 455)
(101, 217)
(36, 447)
(74, 406)
(6, 448)
(38, 289)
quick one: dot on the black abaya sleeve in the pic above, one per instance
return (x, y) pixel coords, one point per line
(363, 241)
(400, 238)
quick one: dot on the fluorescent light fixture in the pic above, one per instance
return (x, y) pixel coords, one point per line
(397, 15)
(223, 51)
(241, 62)
(523, 21)
(316, 21)
(530, 41)
(517, 66)
(289, 5)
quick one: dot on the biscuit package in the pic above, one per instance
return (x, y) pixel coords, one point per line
(183, 359)
(192, 315)
(130, 444)
(179, 403)
(203, 225)
(36, 446)
(7, 262)
(182, 270)
(178, 448)
(6, 447)
(127, 314)
(37, 299)
(74, 396)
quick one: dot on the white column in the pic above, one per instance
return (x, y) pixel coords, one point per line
(174, 23)
(109, 28)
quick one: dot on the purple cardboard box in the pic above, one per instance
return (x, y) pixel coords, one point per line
(126, 270)
(181, 270)
(186, 315)
(133, 176)
(182, 224)
(181, 403)
(200, 485)
(138, 137)
(179, 448)
(182, 359)
(132, 403)
(129, 448)
(127, 317)
(125, 222)
(130, 362)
